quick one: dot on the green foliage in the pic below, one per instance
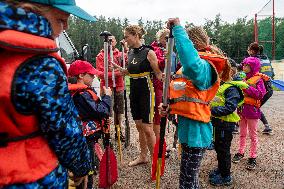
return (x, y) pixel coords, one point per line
(232, 38)
(82, 32)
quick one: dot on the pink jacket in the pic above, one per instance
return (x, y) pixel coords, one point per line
(117, 57)
(257, 92)
(158, 85)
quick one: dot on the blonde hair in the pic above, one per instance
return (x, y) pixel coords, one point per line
(29, 6)
(201, 42)
(199, 37)
(162, 33)
(135, 30)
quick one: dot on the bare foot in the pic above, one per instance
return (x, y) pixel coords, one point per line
(138, 161)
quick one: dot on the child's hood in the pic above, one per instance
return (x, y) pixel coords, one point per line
(254, 64)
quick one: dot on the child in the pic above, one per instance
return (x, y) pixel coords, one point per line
(39, 135)
(92, 109)
(194, 86)
(250, 112)
(224, 119)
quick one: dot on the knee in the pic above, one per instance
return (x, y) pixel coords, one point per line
(148, 133)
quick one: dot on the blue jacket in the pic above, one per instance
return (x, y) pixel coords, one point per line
(41, 87)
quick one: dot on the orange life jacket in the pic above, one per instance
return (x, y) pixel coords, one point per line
(188, 101)
(217, 60)
(80, 88)
(252, 82)
(25, 155)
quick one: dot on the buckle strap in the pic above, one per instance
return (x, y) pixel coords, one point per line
(184, 98)
(178, 76)
(139, 75)
(4, 140)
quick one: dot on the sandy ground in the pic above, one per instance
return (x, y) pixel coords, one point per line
(269, 173)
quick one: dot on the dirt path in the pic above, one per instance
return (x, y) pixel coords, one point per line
(268, 175)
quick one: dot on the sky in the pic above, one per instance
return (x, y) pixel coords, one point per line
(195, 11)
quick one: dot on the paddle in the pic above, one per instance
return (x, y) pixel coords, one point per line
(116, 121)
(98, 151)
(108, 173)
(158, 164)
(127, 128)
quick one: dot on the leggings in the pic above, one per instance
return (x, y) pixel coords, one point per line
(263, 119)
(189, 169)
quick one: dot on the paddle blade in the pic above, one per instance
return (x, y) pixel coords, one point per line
(98, 151)
(156, 158)
(108, 169)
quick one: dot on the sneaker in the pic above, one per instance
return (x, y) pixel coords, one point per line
(251, 164)
(213, 173)
(237, 157)
(267, 131)
(168, 153)
(218, 180)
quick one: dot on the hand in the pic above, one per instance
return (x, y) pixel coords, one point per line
(124, 44)
(165, 51)
(77, 180)
(161, 76)
(107, 91)
(115, 66)
(123, 71)
(108, 121)
(163, 111)
(173, 21)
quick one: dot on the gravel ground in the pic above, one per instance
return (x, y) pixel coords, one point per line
(269, 173)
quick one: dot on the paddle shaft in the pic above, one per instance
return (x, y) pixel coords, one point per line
(127, 128)
(115, 114)
(163, 122)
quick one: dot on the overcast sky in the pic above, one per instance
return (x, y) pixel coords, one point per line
(187, 10)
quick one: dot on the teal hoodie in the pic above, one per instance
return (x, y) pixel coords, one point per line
(193, 133)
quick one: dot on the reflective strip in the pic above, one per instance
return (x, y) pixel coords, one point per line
(139, 75)
(187, 99)
(152, 99)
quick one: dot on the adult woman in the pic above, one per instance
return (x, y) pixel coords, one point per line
(40, 128)
(141, 61)
(194, 87)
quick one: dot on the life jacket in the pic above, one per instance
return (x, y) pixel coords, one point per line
(25, 155)
(220, 100)
(187, 100)
(217, 60)
(89, 127)
(252, 82)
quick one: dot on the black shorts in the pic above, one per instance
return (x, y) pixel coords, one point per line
(118, 105)
(142, 99)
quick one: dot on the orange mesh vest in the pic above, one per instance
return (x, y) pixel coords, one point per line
(188, 101)
(25, 155)
(252, 82)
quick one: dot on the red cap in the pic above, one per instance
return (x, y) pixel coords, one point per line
(81, 67)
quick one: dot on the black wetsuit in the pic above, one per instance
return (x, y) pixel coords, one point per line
(142, 95)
